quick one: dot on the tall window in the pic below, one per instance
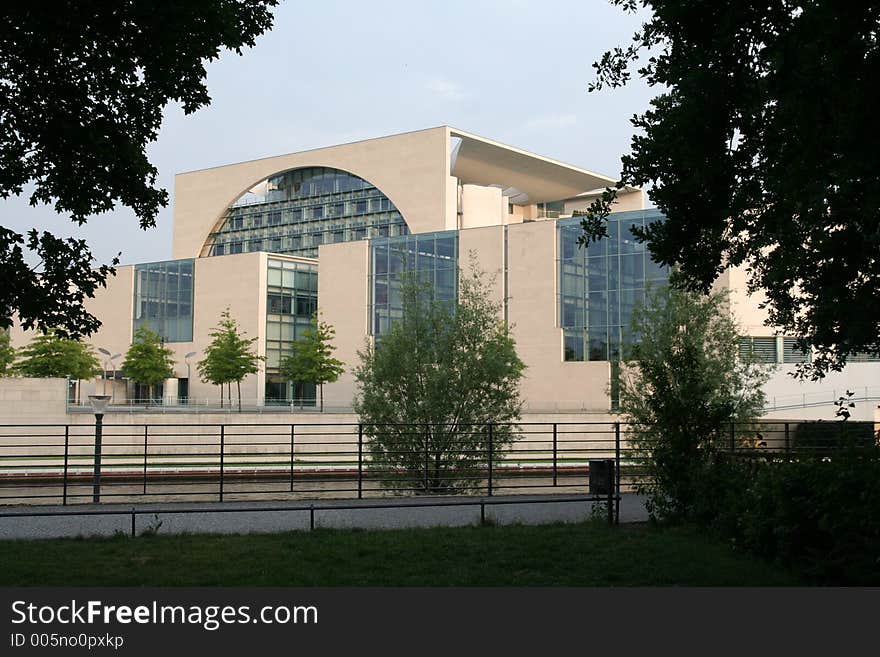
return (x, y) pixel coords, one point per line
(163, 299)
(600, 284)
(433, 256)
(291, 300)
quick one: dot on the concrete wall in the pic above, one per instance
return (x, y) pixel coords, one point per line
(32, 400)
(343, 295)
(550, 383)
(482, 206)
(411, 169)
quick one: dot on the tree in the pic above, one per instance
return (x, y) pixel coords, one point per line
(84, 86)
(229, 357)
(682, 384)
(7, 354)
(437, 389)
(761, 151)
(148, 361)
(312, 358)
(52, 355)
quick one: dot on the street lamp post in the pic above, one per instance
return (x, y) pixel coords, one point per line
(99, 405)
(188, 379)
(104, 375)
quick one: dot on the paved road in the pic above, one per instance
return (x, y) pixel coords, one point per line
(253, 516)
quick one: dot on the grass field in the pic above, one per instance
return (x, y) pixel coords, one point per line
(588, 554)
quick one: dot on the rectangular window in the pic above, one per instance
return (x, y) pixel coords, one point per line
(791, 353)
(762, 349)
(163, 295)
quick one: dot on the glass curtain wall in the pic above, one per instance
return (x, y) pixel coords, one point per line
(291, 300)
(600, 284)
(434, 256)
(163, 299)
(297, 211)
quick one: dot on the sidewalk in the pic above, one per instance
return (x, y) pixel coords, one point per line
(269, 516)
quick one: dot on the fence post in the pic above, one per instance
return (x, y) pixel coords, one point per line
(610, 490)
(426, 456)
(360, 461)
(787, 439)
(146, 433)
(66, 456)
(490, 459)
(222, 452)
(732, 444)
(292, 433)
(554, 455)
(617, 472)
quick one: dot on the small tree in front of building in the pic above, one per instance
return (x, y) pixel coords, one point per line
(312, 358)
(681, 386)
(439, 390)
(148, 361)
(7, 354)
(48, 355)
(229, 357)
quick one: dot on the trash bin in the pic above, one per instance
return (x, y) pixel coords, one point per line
(601, 477)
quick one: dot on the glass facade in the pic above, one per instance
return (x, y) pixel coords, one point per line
(434, 256)
(600, 284)
(291, 300)
(163, 299)
(304, 208)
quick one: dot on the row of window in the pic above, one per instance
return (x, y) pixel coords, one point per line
(314, 205)
(431, 257)
(258, 217)
(305, 245)
(163, 299)
(291, 300)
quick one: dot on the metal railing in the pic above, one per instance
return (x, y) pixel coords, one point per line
(66, 464)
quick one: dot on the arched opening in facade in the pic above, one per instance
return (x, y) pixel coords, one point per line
(295, 211)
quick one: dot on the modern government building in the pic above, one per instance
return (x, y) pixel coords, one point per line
(332, 229)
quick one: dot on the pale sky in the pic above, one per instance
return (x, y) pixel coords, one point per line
(335, 71)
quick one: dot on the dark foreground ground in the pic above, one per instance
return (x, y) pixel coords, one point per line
(582, 554)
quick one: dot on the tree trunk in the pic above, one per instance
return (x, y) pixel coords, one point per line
(221, 395)
(321, 386)
(238, 386)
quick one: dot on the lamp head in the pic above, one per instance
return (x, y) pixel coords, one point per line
(99, 403)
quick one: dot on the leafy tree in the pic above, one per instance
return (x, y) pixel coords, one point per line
(432, 385)
(312, 358)
(7, 354)
(682, 384)
(761, 151)
(148, 361)
(84, 86)
(229, 357)
(51, 355)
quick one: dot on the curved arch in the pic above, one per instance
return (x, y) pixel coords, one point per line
(295, 210)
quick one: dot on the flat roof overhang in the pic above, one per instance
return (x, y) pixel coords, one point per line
(481, 161)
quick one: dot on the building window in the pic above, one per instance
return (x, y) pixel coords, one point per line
(600, 285)
(291, 300)
(761, 349)
(299, 203)
(163, 299)
(433, 256)
(791, 353)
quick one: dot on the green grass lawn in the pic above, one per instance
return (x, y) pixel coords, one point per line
(589, 554)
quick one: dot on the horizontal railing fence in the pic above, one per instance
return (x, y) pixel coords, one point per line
(75, 463)
(84, 463)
